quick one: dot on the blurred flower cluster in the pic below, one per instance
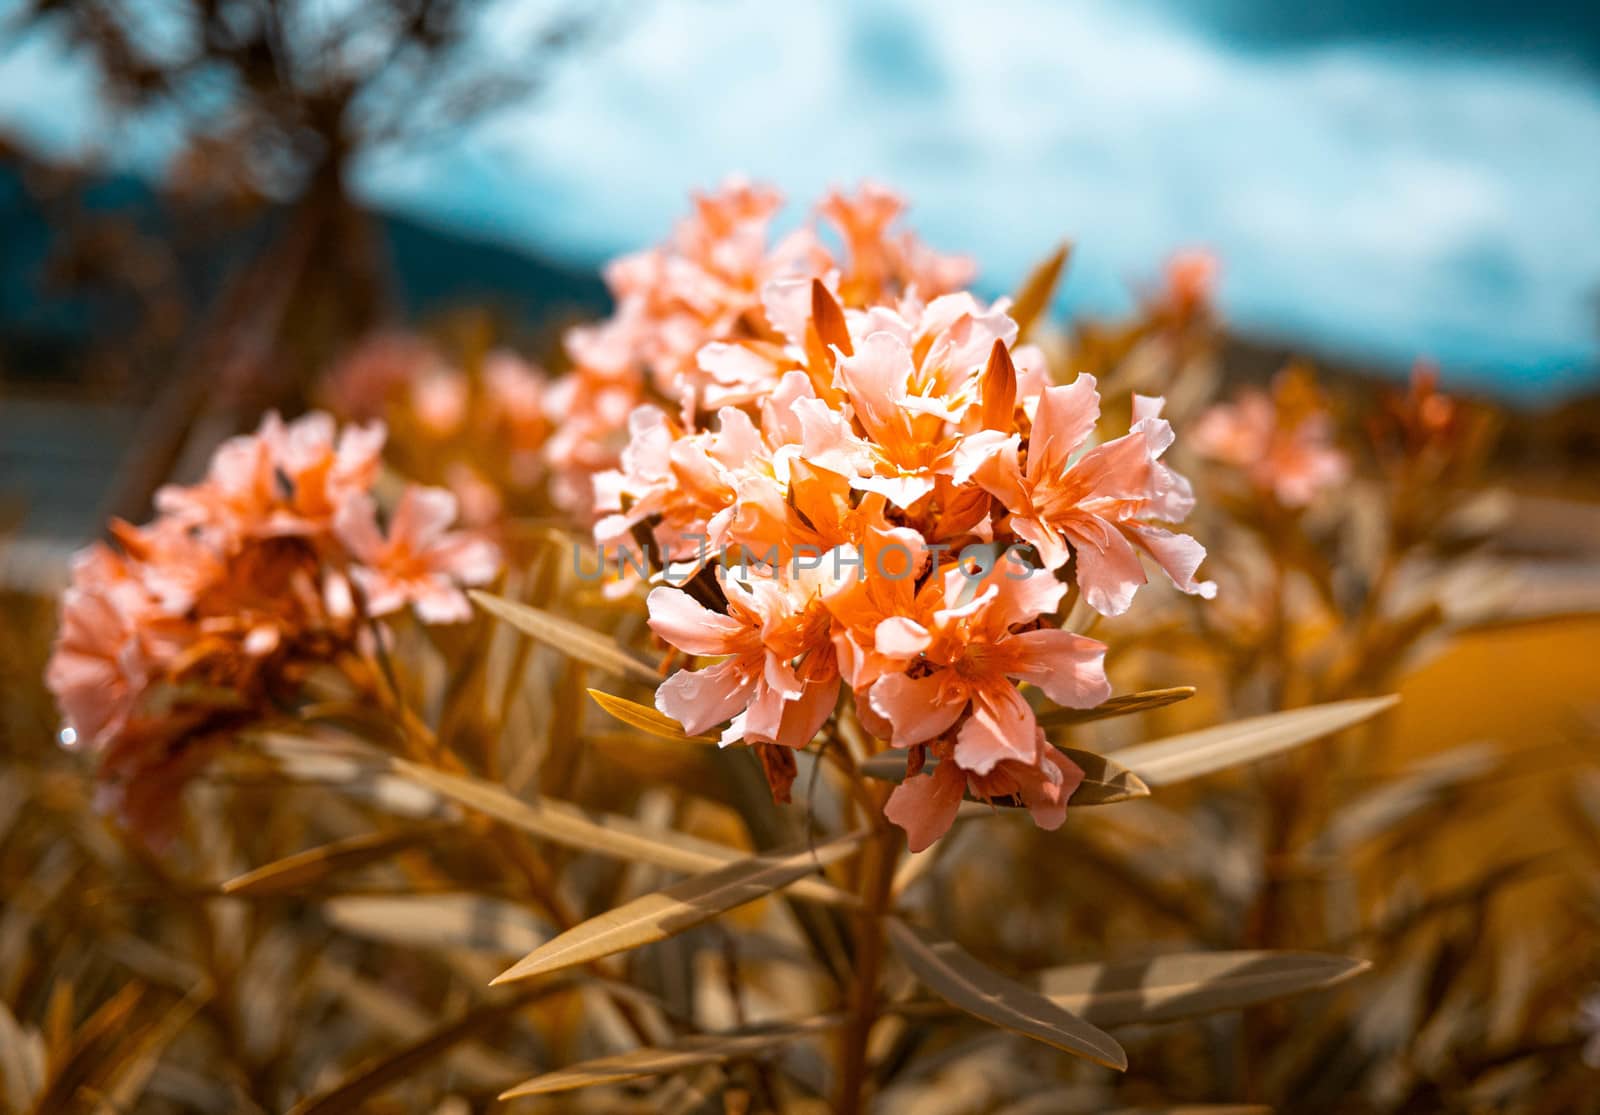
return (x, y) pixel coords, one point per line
(273, 564)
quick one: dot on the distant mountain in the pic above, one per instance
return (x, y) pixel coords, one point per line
(47, 327)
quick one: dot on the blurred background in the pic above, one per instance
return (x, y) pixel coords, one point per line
(1382, 182)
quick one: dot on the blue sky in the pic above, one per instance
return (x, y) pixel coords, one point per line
(1389, 193)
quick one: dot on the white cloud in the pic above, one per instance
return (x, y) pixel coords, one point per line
(1387, 202)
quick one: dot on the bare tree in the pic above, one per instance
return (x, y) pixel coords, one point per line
(275, 101)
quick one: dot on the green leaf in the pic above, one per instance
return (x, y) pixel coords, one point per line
(953, 974)
(1179, 758)
(572, 639)
(655, 917)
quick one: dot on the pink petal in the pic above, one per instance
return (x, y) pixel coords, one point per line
(899, 637)
(702, 699)
(466, 559)
(688, 625)
(1109, 571)
(381, 592)
(1063, 422)
(423, 515)
(356, 525)
(1046, 789)
(1069, 669)
(1051, 545)
(437, 600)
(804, 716)
(1001, 727)
(925, 805)
(875, 379)
(1179, 557)
(918, 708)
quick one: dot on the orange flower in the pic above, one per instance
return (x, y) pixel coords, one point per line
(420, 562)
(281, 480)
(777, 681)
(1096, 505)
(1283, 443)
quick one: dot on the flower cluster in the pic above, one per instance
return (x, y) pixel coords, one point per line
(914, 507)
(483, 430)
(199, 620)
(1283, 443)
(700, 321)
(703, 321)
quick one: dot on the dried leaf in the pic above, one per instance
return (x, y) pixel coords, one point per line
(1178, 758)
(602, 833)
(1122, 705)
(1038, 288)
(352, 1094)
(572, 639)
(655, 917)
(1187, 984)
(144, 1048)
(22, 1062)
(1105, 781)
(462, 921)
(293, 874)
(691, 1052)
(1197, 1109)
(948, 970)
(365, 773)
(644, 718)
(88, 1054)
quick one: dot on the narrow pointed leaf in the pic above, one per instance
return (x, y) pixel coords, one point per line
(454, 921)
(352, 1093)
(1188, 984)
(78, 1062)
(1105, 781)
(602, 833)
(953, 974)
(572, 639)
(295, 873)
(655, 917)
(1197, 1109)
(1037, 290)
(691, 1052)
(1178, 758)
(644, 718)
(1122, 705)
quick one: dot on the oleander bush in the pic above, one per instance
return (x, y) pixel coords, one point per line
(813, 688)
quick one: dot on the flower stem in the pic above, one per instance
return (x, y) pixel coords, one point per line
(877, 876)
